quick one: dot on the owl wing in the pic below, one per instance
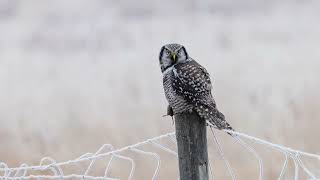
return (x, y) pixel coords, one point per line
(192, 81)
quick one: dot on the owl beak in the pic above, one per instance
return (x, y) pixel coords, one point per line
(173, 56)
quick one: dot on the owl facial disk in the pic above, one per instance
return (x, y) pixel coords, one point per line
(172, 54)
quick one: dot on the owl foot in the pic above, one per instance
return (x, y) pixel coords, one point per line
(171, 118)
(169, 113)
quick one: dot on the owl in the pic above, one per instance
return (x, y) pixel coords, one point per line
(187, 86)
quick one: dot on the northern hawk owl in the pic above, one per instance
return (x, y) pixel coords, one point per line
(187, 86)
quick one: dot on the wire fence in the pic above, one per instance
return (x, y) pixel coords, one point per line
(48, 168)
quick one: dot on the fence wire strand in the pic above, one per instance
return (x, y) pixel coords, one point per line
(226, 162)
(55, 170)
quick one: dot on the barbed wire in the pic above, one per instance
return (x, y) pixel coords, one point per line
(24, 171)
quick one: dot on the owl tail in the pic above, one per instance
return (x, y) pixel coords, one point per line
(214, 118)
(226, 125)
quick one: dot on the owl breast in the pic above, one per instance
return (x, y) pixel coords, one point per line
(177, 102)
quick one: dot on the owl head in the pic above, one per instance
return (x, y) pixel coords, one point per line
(172, 54)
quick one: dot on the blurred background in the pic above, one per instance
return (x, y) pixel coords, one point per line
(78, 74)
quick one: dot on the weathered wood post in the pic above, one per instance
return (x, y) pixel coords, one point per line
(191, 136)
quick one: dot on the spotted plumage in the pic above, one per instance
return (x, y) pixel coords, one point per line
(187, 86)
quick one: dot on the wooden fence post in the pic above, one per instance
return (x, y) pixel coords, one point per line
(191, 136)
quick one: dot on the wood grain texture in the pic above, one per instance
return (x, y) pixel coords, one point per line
(192, 146)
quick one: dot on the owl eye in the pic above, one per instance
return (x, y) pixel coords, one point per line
(180, 53)
(167, 52)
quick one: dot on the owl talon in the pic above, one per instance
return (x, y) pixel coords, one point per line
(170, 111)
(171, 118)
